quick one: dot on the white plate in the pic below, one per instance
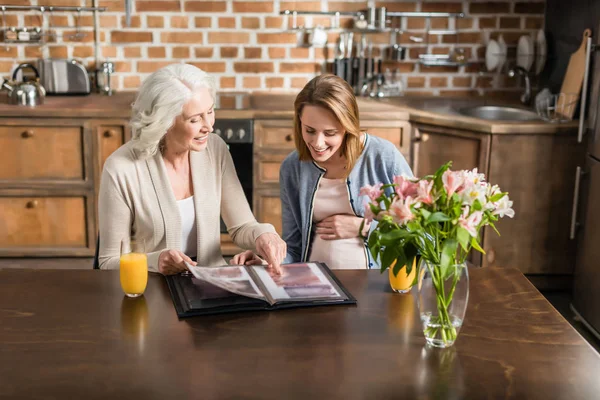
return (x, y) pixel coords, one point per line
(525, 52)
(503, 51)
(541, 52)
(492, 55)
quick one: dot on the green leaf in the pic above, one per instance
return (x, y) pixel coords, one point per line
(462, 235)
(497, 196)
(437, 217)
(494, 228)
(448, 253)
(476, 246)
(373, 244)
(477, 205)
(389, 255)
(391, 237)
(425, 213)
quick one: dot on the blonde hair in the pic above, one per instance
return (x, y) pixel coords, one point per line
(161, 99)
(334, 94)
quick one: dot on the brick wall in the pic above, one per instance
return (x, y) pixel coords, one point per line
(245, 45)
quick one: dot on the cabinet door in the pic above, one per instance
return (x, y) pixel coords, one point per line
(266, 167)
(397, 132)
(274, 135)
(586, 285)
(109, 139)
(538, 172)
(267, 208)
(33, 152)
(44, 225)
(434, 146)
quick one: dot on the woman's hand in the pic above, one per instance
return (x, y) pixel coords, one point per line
(340, 226)
(172, 262)
(246, 258)
(273, 249)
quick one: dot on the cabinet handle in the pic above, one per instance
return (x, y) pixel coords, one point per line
(27, 134)
(421, 137)
(491, 256)
(288, 138)
(109, 133)
(31, 204)
(578, 175)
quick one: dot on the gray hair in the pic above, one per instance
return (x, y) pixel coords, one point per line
(161, 99)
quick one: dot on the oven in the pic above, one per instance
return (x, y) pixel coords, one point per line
(239, 136)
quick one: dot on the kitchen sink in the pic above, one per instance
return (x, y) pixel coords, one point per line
(499, 113)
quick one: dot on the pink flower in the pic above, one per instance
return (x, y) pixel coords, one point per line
(424, 191)
(470, 222)
(372, 191)
(453, 181)
(400, 210)
(405, 187)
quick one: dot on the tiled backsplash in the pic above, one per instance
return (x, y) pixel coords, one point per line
(245, 44)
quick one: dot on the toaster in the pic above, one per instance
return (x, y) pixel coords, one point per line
(62, 76)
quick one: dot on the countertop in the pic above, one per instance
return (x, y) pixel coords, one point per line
(425, 110)
(254, 106)
(72, 334)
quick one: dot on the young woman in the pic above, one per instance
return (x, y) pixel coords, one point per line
(173, 180)
(320, 181)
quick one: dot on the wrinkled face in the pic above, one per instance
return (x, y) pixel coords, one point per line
(322, 133)
(191, 129)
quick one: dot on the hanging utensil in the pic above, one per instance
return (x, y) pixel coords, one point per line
(128, 6)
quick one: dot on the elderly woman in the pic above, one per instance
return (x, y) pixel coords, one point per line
(173, 180)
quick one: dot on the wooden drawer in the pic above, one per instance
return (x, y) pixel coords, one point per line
(276, 134)
(109, 139)
(42, 222)
(34, 152)
(397, 132)
(267, 168)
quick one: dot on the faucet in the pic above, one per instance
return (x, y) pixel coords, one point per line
(526, 96)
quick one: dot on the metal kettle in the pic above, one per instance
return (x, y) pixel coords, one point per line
(26, 93)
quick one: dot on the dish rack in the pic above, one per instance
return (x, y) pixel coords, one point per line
(557, 108)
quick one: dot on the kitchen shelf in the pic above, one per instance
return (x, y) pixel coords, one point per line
(50, 8)
(389, 14)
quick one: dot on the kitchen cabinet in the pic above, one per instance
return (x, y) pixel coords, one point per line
(49, 178)
(274, 140)
(433, 146)
(537, 171)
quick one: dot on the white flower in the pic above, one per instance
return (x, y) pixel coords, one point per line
(473, 192)
(503, 207)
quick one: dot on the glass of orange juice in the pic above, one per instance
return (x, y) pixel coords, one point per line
(133, 267)
(402, 283)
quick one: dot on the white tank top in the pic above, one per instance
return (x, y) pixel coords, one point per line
(331, 199)
(189, 243)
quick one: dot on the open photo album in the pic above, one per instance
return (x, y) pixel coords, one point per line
(214, 290)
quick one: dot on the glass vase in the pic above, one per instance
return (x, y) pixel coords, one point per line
(443, 298)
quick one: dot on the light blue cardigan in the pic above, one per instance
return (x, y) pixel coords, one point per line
(379, 162)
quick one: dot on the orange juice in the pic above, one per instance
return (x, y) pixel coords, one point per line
(134, 273)
(402, 283)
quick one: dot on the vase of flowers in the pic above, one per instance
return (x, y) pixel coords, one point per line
(436, 220)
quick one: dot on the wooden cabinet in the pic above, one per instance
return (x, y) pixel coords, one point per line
(538, 173)
(274, 140)
(49, 177)
(434, 146)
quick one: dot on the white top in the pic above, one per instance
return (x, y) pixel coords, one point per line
(331, 199)
(189, 244)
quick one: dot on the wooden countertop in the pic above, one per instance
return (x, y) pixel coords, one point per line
(443, 112)
(265, 106)
(72, 334)
(432, 110)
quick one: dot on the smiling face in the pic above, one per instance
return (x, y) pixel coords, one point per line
(322, 133)
(191, 129)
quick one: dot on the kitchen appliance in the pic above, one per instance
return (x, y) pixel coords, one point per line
(239, 136)
(103, 75)
(27, 93)
(586, 283)
(63, 76)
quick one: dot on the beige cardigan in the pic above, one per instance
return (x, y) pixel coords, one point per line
(136, 199)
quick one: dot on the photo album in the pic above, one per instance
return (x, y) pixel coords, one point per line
(214, 290)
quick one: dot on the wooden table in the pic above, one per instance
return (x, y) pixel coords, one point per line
(72, 334)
